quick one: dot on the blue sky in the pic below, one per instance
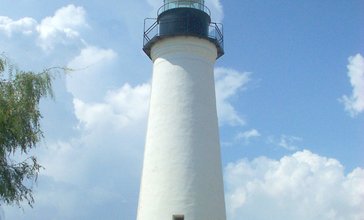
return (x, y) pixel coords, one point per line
(290, 98)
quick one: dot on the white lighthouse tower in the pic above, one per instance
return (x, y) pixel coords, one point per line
(182, 174)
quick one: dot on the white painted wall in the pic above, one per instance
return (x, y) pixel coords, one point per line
(182, 171)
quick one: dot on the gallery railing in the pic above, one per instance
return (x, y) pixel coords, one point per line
(152, 33)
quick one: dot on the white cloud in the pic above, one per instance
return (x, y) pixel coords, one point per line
(247, 135)
(90, 56)
(120, 108)
(118, 120)
(217, 12)
(287, 142)
(64, 24)
(93, 70)
(301, 186)
(24, 25)
(355, 103)
(96, 174)
(228, 83)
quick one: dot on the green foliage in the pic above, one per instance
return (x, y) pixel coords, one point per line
(20, 130)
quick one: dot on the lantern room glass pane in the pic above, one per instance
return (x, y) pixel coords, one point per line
(170, 4)
(197, 1)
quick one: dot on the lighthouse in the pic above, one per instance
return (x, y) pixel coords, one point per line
(182, 170)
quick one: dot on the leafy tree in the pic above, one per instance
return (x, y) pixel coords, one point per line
(20, 130)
